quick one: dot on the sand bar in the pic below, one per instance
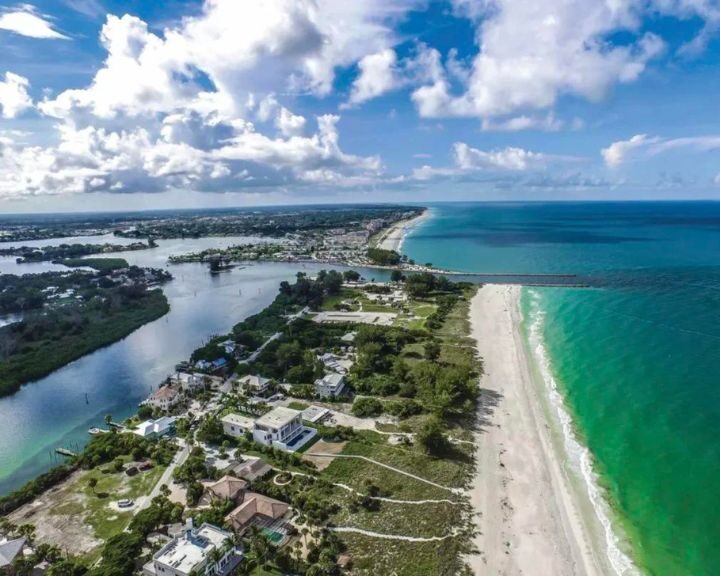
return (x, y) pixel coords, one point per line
(531, 518)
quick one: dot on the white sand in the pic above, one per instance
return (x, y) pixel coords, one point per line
(529, 514)
(393, 237)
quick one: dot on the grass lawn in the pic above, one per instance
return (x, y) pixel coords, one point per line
(356, 473)
(371, 556)
(295, 405)
(330, 303)
(422, 520)
(93, 505)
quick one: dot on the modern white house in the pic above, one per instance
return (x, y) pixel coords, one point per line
(236, 425)
(331, 384)
(282, 428)
(9, 550)
(164, 398)
(152, 429)
(188, 382)
(191, 552)
(253, 383)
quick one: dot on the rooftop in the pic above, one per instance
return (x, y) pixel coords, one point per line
(238, 420)
(191, 548)
(278, 417)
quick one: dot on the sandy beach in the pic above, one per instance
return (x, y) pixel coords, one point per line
(393, 237)
(531, 519)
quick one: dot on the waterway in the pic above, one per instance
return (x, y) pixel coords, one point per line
(53, 411)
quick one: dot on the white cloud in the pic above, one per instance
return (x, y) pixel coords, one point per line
(510, 158)
(190, 107)
(26, 22)
(378, 75)
(14, 98)
(643, 146)
(289, 124)
(531, 53)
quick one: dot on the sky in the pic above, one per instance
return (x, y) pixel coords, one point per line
(108, 105)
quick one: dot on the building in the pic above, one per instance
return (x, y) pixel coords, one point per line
(254, 384)
(336, 363)
(164, 398)
(152, 429)
(236, 425)
(282, 428)
(251, 470)
(9, 550)
(191, 552)
(188, 382)
(257, 509)
(315, 414)
(330, 385)
(227, 488)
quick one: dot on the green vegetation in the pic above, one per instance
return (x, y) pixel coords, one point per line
(383, 257)
(41, 343)
(100, 264)
(65, 252)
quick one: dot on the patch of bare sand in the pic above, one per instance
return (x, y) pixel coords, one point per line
(324, 448)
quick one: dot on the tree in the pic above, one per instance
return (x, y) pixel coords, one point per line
(108, 419)
(92, 483)
(396, 276)
(351, 276)
(431, 436)
(432, 350)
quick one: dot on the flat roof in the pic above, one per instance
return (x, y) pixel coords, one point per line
(238, 420)
(314, 413)
(187, 551)
(278, 417)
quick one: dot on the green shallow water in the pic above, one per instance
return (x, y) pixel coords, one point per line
(637, 356)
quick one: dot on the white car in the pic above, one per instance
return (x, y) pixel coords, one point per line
(125, 503)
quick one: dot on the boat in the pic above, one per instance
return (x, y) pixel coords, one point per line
(96, 431)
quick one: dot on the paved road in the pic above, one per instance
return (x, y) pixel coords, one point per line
(166, 478)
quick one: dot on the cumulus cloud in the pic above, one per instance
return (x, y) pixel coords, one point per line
(25, 21)
(510, 158)
(14, 98)
(191, 107)
(530, 53)
(378, 75)
(643, 146)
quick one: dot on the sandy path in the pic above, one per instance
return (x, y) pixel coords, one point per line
(529, 516)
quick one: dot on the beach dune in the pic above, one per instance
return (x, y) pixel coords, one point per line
(529, 518)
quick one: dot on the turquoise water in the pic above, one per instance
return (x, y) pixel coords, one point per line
(637, 355)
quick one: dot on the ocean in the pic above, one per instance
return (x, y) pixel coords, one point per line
(636, 355)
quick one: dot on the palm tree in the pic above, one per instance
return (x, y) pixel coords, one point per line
(92, 482)
(27, 531)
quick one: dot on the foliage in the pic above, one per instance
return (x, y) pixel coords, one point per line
(366, 407)
(431, 438)
(34, 488)
(100, 264)
(383, 257)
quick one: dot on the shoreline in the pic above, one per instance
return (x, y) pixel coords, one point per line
(394, 237)
(532, 516)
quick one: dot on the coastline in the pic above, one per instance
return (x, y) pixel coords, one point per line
(393, 237)
(532, 518)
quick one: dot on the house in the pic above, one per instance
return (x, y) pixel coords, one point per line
(251, 470)
(330, 385)
(315, 414)
(9, 550)
(188, 382)
(236, 425)
(152, 429)
(164, 398)
(282, 428)
(229, 346)
(339, 364)
(259, 509)
(192, 552)
(227, 488)
(255, 384)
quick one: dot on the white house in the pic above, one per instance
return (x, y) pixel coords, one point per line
(330, 385)
(9, 550)
(282, 428)
(188, 381)
(253, 383)
(164, 398)
(191, 551)
(236, 425)
(152, 429)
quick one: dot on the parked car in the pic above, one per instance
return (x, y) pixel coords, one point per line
(125, 503)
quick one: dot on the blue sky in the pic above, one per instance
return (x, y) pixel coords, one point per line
(141, 104)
